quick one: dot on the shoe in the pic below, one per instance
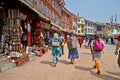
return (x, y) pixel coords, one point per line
(53, 65)
(98, 72)
(60, 55)
(71, 63)
(94, 67)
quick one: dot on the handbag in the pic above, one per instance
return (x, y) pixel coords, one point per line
(62, 44)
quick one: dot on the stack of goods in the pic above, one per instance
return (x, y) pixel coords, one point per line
(17, 51)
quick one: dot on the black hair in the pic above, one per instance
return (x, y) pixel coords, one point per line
(96, 36)
(71, 34)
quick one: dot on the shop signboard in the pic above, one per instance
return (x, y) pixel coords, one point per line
(45, 25)
(54, 28)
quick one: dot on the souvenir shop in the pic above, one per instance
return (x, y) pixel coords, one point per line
(11, 34)
(19, 31)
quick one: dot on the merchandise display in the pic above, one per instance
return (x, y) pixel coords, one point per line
(12, 33)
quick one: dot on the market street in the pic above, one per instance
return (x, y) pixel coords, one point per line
(40, 68)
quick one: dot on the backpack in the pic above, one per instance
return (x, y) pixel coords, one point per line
(97, 45)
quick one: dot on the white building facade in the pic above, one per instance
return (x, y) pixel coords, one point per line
(89, 27)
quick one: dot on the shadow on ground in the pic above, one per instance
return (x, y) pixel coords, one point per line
(45, 62)
(105, 77)
(64, 62)
(113, 73)
(83, 68)
(102, 76)
(86, 53)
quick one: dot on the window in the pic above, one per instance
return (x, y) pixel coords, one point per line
(99, 28)
(56, 20)
(88, 30)
(78, 20)
(82, 30)
(51, 1)
(44, 9)
(49, 13)
(78, 25)
(78, 31)
(81, 21)
(88, 24)
(39, 6)
(30, 2)
(85, 30)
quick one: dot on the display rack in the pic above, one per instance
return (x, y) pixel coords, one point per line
(13, 33)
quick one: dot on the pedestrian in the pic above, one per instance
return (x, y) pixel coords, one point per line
(106, 39)
(90, 40)
(80, 39)
(117, 51)
(55, 44)
(97, 46)
(72, 46)
(112, 40)
(24, 38)
(109, 40)
(86, 42)
(62, 44)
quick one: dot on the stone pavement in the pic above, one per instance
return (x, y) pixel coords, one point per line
(40, 68)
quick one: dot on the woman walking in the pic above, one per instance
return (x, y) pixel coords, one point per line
(55, 44)
(97, 46)
(72, 46)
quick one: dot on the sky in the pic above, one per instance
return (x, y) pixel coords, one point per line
(95, 10)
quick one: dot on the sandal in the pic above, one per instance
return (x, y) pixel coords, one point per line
(53, 65)
(98, 72)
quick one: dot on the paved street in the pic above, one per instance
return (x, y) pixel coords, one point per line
(110, 48)
(40, 68)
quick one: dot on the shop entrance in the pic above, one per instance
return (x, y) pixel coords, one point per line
(1, 28)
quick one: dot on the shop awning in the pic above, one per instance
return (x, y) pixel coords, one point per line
(58, 27)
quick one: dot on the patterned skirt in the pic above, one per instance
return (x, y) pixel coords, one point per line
(96, 55)
(73, 53)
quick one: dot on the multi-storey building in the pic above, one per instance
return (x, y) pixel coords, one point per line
(66, 20)
(80, 26)
(50, 10)
(39, 17)
(90, 27)
(74, 23)
(100, 28)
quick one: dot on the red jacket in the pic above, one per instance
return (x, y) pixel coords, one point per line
(80, 40)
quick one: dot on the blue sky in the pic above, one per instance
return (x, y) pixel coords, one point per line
(95, 10)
